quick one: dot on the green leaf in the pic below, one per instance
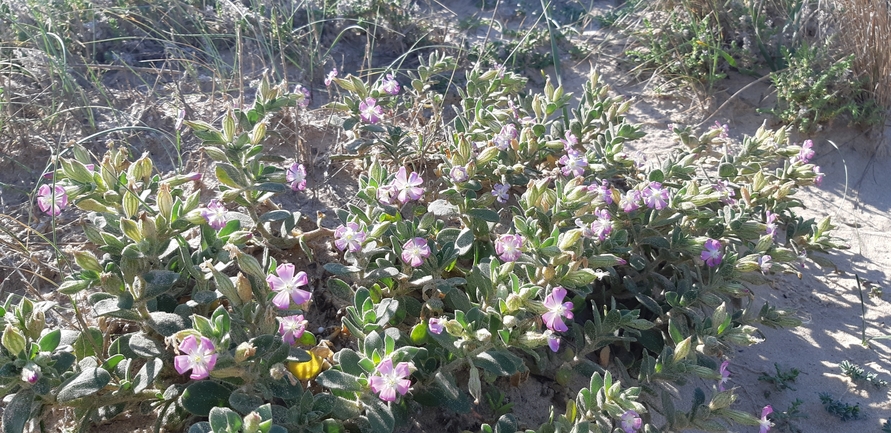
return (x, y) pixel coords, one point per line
(158, 282)
(200, 397)
(146, 347)
(86, 344)
(484, 214)
(465, 241)
(338, 380)
(167, 324)
(50, 341)
(18, 411)
(201, 427)
(147, 374)
(339, 289)
(380, 416)
(87, 382)
(230, 176)
(500, 362)
(245, 403)
(224, 420)
(338, 269)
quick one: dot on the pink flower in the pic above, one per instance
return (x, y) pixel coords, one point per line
(509, 247)
(330, 78)
(725, 129)
(631, 421)
(655, 197)
(52, 200)
(711, 253)
(765, 423)
(407, 187)
(388, 381)
(307, 98)
(765, 263)
(603, 225)
(415, 251)
(553, 341)
(727, 192)
(349, 237)
(386, 194)
(458, 174)
(369, 111)
(819, 175)
(199, 357)
(296, 176)
(215, 214)
(291, 328)
(504, 138)
(573, 163)
(390, 85)
(436, 325)
(286, 284)
(606, 192)
(725, 375)
(557, 310)
(806, 152)
(31, 373)
(570, 141)
(771, 224)
(586, 228)
(501, 192)
(630, 202)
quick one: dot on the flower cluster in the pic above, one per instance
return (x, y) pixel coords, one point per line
(500, 191)
(199, 356)
(291, 328)
(504, 138)
(215, 214)
(573, 163)
(52, 200)
(712, 253)
(349, 237)
(296, 176)
(389, 85)
(388, 380)
(288, 286)
(655, 196)
(405, 188)
(415, 251)
(369, 111)
(509, 247)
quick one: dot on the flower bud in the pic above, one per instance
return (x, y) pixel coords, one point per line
(240, 237)
(87, 261)
(111, 283)
(13, 340)
(488, 154)
(509, 321)
(31, 373)
(569, 240)
(722, 400)
(738, 416)
(252, 423)
(454, 328)
(243, 288)
(34, 324)
(165, 201)
(244, 351)
(483, 335)
(278, 371)
(514, 302)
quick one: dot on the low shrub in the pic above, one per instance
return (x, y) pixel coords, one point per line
(504, 240)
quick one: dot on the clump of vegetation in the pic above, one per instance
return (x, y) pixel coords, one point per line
(858, 374)
(843, 411)
(782, 378)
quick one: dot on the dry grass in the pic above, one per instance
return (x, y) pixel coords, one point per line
(865, 29)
